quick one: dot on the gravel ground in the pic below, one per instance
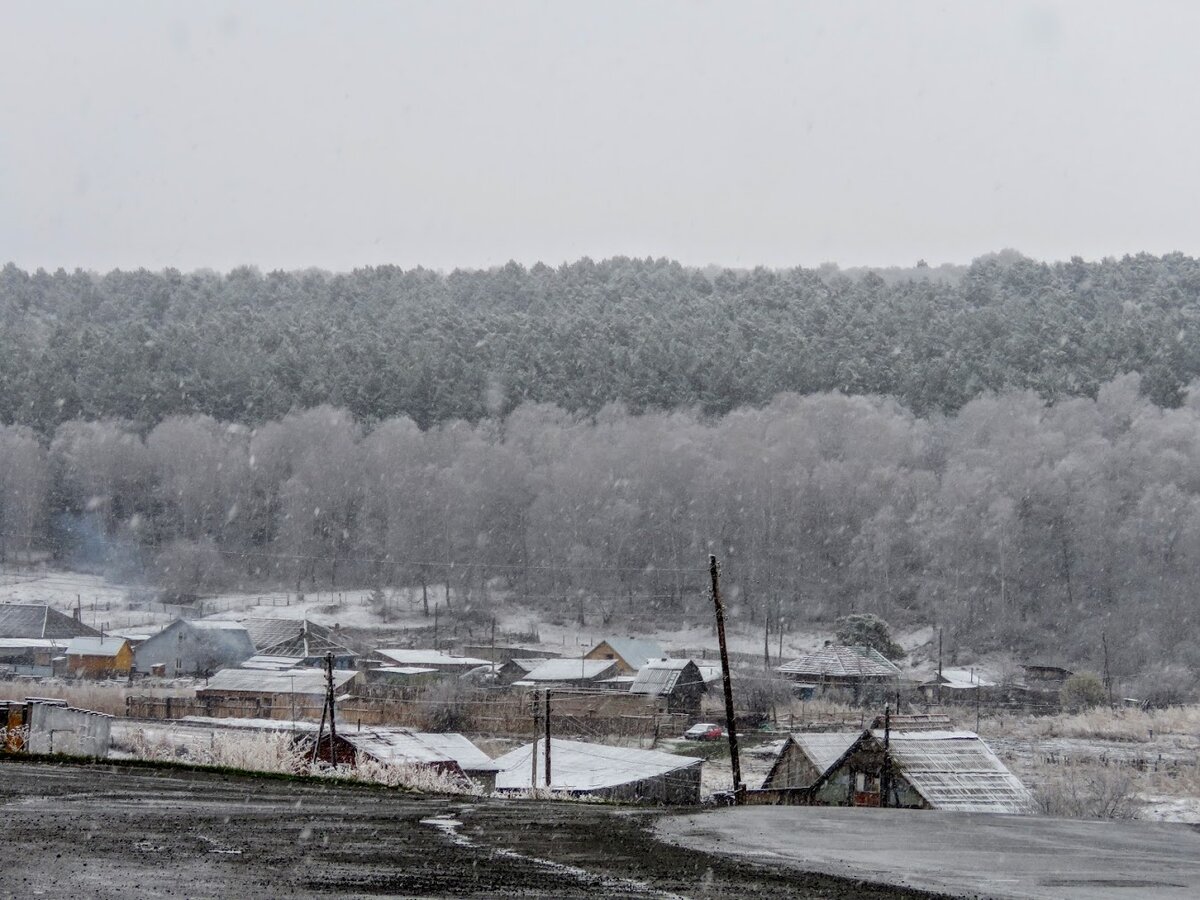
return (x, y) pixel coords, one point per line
(112, 831)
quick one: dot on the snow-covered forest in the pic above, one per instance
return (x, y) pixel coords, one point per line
(383, 342)
(1012, 523)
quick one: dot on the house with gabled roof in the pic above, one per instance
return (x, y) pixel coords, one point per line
(840, 666)
(947, 770)
(630, 654)
(676, 684)
(194, 647)
(99, 657)
(806, 756)
(38, 620)
(300, 639)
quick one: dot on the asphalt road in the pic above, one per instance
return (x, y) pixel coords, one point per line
(112, 831)
(962, 854)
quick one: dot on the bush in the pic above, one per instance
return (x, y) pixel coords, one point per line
(866, 630)
(1083, 690)
(1101, 792)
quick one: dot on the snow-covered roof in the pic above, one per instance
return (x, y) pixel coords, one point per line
(432, 658)
(526, 665)
(956, 770)
(635, 651)
(32, 643)
(824, 748)
(962, 679)
(404, 670)
(571, 670)
(217, 624)
(272, 663)
(400, 746)
(836, 661)
(287, 681)
(95, 646)
(576, 766)
(661, 676)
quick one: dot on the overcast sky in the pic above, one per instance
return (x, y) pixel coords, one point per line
(287, 135)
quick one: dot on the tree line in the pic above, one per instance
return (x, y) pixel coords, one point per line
(384, 342)
(1012, 523)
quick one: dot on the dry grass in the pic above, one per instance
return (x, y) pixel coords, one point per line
(1125, 725)
(1091, 792)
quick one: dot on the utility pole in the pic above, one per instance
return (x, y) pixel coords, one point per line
(885, 776)
(536, 728)
(435, 626)
(939, 681)
(547, 738)
(727, 683)
(329, 699)
(1107, 676)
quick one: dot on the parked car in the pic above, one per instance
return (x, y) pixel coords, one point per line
(704, 731)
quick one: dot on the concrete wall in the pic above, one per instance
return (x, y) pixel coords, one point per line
(60, 729)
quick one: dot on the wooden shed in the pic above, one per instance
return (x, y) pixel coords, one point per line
(99, 657)
(806, 756)
(676, 684)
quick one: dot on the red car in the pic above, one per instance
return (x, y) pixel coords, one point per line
(704, 731)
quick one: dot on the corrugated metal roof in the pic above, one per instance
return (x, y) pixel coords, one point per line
(37, 620)
(401, 746)
(635, 651)
(261, 681)
(661, 676)
(434, 658)
(841, 662)
(824, 748)
(95, 646)
(576, 766)
(956, 770)
(294, 637)
(571, 670)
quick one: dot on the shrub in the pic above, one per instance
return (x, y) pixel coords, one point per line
(1099, 792)
(1083, 690)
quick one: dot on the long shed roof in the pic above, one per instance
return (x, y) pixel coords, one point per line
(570, 670)
(401, 746)
(263, 681)
(956, 770)
(577, 766)
(37, 620)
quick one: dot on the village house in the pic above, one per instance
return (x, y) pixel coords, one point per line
(630, 654)
(193, 647)
(958, 686)
(37, 620)
(599, 770)
(806, 756)
(303, 642)
(834, 666)
(517, 668)
(677, 685)
(946, 770)
(99, 657)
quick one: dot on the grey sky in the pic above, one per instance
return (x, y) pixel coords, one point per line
(284, 134)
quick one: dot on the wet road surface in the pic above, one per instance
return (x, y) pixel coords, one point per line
(963, 854)
(111, 831)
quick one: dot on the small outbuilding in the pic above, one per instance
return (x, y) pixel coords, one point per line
(430, 659)
(677, 685)
(598, 770)
(99, 657)
(448, 753)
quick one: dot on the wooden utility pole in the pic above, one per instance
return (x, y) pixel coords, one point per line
(727, 683)
(435, 626)
(885, 774)
(939, 681)
(1107, 676)
(329, 699)
(533, 755)
(547, 738)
